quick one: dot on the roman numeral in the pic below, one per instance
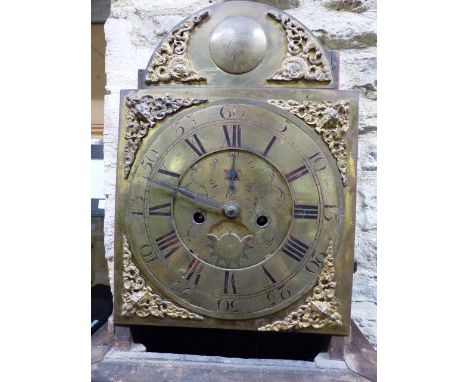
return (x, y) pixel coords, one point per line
(268, 276)
(194, 270)
(267, 150)
(233, 139)
(147, 252)
(305, 211)
(229, 283)
(199, 149)
(161, 210)
(294, 248)
(297, 173)
(168, 243)
(169, 173)
(319, 163)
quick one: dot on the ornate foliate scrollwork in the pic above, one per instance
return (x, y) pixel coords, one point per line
(143, 113)
(170, 61)
(305, 59)
(319, 310)
(138, 298)
(330, 120)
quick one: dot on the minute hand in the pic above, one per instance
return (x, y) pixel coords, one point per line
(184, 191)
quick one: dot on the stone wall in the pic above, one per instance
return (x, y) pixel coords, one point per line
(135, 27)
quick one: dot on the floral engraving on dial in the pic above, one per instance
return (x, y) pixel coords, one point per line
(261, 201)
(143, 113)
(330, 120)
(170, 61)
(305, 58)
(138, 299)
(321, 309)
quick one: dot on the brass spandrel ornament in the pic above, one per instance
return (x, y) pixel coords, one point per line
(138, 298)
(236, 195)
(321, 309)
(330, 120)
(144, 113)
(305, 59)
(170, 61)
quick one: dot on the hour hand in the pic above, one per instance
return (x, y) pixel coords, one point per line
(192, 195)
(232, 174)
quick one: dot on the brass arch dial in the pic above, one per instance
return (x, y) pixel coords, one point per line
(236, 179)
(230, 208)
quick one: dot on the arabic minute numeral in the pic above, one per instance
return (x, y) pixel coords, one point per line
(149, 160)
(314, 263)
(227, 305)
(329, 215)
(279, 294)
(232, 112)
(318, 162)
(146, 251)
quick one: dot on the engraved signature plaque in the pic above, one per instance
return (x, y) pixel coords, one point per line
(238, 44)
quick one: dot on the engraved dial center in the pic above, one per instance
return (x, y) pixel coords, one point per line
(256, 215)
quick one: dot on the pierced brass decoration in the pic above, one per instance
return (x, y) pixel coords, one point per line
(170, 62)
(138, 298)
(321, 309)
(330, 120)
(142, 114)
(305, 59)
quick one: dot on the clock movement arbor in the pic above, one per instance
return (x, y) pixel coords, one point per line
(236, 179)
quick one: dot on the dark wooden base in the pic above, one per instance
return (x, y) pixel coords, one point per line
(359, 354)
(116, 357)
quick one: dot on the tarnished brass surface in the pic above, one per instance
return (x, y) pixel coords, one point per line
(238, 44)
(328, 119)
(137, 297)
(236, 191)
(321, 309)
(231, 271)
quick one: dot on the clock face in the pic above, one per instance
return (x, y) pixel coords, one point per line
(231, 209)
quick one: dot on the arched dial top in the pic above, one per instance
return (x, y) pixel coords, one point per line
(238, 43)
(231, 209)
